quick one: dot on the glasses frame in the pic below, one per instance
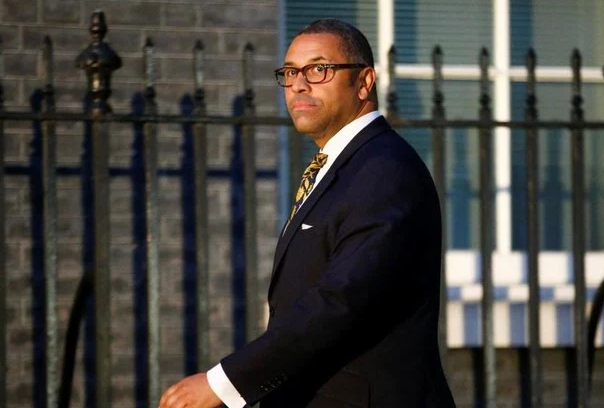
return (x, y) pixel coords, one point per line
(305, 68)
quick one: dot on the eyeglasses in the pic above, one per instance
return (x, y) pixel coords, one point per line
(313, 73)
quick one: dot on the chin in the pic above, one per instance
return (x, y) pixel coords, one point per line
(305, 125)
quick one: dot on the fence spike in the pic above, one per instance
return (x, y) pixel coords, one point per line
(248, 76)
(531, 99)
(438, 97)
(150, 74)
(98, 26)
(198, 69)
(392, 107)
(48, 61)
(531, 59)
(99, 61)
(1, 58)
(577, 99)
(485, 99)
(48, 56)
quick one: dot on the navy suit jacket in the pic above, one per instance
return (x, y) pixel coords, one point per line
(354, 300)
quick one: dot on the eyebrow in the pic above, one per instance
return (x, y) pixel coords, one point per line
(313, 60)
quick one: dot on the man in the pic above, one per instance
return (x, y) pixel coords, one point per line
(354, 295)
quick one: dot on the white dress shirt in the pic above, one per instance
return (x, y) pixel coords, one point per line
(217, 378)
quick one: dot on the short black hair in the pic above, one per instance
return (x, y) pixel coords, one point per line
(354, 43)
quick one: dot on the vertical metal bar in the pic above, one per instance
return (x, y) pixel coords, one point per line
(100, 180)
(249, 176)
(438, 145)
(49, 163)
(3, 278)
(295, 161)
(578, 217)
(392, 108)
(152, 228)
(532, 232)
(486, 231)
(99, 61)
(201, 214)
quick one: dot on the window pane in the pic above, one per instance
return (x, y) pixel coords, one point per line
(361, 13)
(460, 27)
(555, 168)
(414, 99)
(554, 29)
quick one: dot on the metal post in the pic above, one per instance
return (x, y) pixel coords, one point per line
(532, 232)
(486, 232)
(201, 214)
(99, 61)
(152, 228)
(3, 278)
(49, 182)
(392, 108)
(295, 161)
(249, 176)
(439, 163)
(578, 217)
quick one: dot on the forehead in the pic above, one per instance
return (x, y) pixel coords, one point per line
(308, 48)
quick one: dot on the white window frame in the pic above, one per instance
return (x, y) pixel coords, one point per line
(511, 264)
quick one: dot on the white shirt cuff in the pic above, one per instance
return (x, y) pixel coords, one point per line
(223, 388)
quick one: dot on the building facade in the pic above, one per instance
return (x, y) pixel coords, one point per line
(506, 28)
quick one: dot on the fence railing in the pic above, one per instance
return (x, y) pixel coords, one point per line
(98, 61)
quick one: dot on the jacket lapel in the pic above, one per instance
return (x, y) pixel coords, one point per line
(379, 125)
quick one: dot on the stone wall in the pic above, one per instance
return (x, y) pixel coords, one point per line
(224, 27)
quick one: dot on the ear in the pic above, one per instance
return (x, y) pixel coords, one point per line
(366, 83)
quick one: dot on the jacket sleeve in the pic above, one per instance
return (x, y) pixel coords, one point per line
(377, 225)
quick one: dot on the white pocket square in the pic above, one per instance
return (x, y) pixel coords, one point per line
(306, 226)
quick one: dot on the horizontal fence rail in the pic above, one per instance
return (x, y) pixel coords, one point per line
(99, 60)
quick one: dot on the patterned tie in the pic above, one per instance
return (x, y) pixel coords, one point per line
(307, 183)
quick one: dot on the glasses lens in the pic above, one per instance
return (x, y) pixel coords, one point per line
(280, 76)
(315, 73)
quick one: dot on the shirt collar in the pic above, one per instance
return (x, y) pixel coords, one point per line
(340, 140)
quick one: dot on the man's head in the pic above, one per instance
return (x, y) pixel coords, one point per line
(354, 44)
(328, 77)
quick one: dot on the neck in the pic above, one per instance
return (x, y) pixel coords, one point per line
(366, 107)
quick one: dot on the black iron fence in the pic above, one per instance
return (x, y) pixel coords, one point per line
(98, 60)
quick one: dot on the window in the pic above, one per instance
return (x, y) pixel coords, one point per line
(507, 28)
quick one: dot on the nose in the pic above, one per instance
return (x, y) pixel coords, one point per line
(300, 84)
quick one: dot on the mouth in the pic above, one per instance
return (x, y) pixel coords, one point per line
(302, 106)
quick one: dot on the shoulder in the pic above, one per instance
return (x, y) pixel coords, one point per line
(388, 153)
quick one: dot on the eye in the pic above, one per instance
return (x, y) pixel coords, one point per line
(290, 72)
(319, 68)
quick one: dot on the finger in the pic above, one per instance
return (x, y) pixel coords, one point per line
(167, 395)
(178, 400)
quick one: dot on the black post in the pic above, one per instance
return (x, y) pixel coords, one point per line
(578, 217)
(249, 180)
(202, 237)
(152, 228)
(3, 278)
(486, 232)
(99, 61)
(532, 231)
(438, 145)
(392, 109)
(49, 182)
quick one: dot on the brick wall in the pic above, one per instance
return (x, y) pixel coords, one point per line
(224, 27)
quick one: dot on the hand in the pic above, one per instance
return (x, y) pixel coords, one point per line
(190, 392)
